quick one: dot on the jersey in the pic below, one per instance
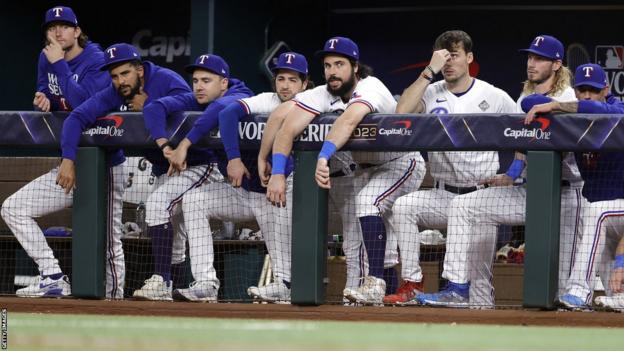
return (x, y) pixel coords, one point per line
(168, 107)
(67, 84)
(603, 172)
(465, 168)
(566, 95)
(263, 103)
(369, 91)
(569, 168)
(158, 82)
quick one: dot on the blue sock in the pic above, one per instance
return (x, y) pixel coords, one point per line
(162, 245)
(392, 280)
(287, 283)
(461, 288)
(55, 276)
(179, 275)
(374, 232)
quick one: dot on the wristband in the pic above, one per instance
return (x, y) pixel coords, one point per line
(279, 164)
(431, 70)
(515, 169)
(619, 261)
(327, 150)
(165, 144)
(424, 75)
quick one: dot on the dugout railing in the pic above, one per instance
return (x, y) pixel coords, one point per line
(38, 134)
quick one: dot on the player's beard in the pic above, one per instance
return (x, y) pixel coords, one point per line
(134, 89)
(541, 78)
(345, 87)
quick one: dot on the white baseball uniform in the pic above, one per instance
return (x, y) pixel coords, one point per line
(603, 228)
(163, 203)
(222, 201)
(473, 223)
(383, 176)
(453, 172)
(43, 196)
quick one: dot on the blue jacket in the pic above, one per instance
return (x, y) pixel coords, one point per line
(158, 82)
(67, 84)
(157, 113)
(603, 172)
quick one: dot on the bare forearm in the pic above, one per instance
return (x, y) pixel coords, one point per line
(268, 136)
(411, 100)
(566, 107)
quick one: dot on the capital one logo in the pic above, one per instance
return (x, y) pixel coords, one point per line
(538, 40)
(405, 129)
(111, 52)
(202, 58)
(588, 71)
(57, 11)
(289, 58)
(540, 133)
(332, 43)
(108, 130)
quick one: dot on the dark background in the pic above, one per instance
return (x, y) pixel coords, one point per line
(391, 34)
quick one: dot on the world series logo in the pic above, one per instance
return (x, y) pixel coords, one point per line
(611, 58)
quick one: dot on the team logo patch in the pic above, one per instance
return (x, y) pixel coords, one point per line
(484, 105)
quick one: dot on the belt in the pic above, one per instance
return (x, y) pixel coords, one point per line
(460, 190)
(565, 183)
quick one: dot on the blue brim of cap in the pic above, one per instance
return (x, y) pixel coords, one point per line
(192, 68)
(45, 24)
(107, 66)
(538, 53)
(591, 84)
(323, 53)
(276, 68)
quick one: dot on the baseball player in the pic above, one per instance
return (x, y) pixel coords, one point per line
(604, 189)
(474, 218)
(243, 199)
(135, 83)
(454, 173)
(68, 74)
(341, 196)
(352, 89)
(213, 89)
(616, 283)
(68, 70)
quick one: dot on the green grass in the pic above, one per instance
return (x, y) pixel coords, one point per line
(92, 332)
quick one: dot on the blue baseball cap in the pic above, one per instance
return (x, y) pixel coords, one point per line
(590, 74)
(546, 46)
(60, 14)
(292, 61)
(209, 62)
(341, 46)
(119, 53)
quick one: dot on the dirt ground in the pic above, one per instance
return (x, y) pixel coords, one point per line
(324, 312)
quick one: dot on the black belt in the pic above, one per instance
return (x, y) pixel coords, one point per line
(461, 190)
(565, 183)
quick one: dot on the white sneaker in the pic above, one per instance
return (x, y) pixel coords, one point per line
(615, 302)
(47, 287)
(276, 292)
(197, 292)
(371, 292)
(154, 289)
